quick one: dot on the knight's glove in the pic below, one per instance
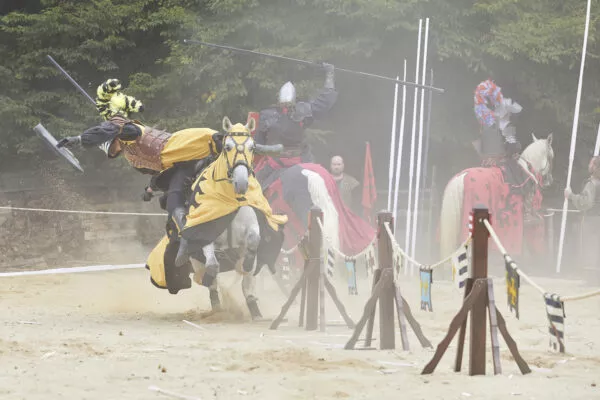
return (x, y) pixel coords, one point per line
(69, 142)
(148, 194)
(512, 146)
(329, 75)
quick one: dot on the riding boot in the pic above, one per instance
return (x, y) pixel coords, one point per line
(179, 217)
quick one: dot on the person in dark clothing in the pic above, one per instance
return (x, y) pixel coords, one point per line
(285, 124)
(171, 159)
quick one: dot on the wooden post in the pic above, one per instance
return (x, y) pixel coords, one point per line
(312, 278)
(479, 298)
(479, 270)
(386, 299)
(371, 320)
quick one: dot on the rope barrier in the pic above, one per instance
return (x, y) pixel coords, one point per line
(9, 208)
(415, 262)
(93, 268)
(524, 275)
(338, 251)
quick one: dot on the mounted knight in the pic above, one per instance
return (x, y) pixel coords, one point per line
(230, 224)
(173, 160)
(285, 123)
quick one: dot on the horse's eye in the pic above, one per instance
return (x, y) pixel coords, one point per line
(250, 144)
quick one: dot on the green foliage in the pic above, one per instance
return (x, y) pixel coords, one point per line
(532, 47)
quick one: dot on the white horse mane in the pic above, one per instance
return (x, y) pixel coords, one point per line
(539, 154)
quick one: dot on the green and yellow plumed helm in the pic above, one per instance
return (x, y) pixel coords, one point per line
(110, 101)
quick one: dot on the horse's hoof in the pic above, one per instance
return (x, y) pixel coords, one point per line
(252, 304)
(215, 303)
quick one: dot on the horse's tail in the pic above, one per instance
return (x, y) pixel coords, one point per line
(321, 198)
(451, 215)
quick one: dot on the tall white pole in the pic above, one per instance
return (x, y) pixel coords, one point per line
(419, 150)
(400, 148)
(412, 143)
(573, 137)
(392, 150)
(597, 148)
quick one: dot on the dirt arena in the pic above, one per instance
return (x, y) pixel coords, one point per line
(112, 335)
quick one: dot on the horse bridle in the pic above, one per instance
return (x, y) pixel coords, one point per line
(240, 152)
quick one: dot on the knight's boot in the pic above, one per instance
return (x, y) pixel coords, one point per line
(179, 216)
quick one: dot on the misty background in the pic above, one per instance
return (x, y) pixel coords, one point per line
(531, 48)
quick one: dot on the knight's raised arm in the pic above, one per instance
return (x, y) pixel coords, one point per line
(327, 97)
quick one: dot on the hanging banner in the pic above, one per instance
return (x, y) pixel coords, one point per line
(460, 267)
(513, 284)
(426, 281)
(330, 262)
(351, 267)
(556, 322)
(371, 261)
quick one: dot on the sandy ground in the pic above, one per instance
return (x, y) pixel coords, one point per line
(112, 335)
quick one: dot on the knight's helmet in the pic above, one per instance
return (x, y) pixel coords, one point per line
(287, 93)
(110, 101)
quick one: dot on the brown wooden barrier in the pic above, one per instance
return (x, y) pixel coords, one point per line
(388, 294)
(313, 282)
(479, 298)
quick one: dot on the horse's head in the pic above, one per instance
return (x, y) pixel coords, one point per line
(541, 156)
(238, 151)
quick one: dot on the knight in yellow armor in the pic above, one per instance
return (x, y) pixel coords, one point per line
(172, 159)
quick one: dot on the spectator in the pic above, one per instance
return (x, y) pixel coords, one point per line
(346, 184)
(588, 201)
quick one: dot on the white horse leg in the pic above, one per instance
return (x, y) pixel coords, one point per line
(200, 270)
(451, 215)
(250, 240)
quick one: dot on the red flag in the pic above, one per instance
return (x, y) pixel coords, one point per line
(369, 194)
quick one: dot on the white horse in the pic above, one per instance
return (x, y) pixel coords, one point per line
(539, 154)
(237, 245)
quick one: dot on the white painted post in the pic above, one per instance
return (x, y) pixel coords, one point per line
(392, 151)
(419, 151)
(412, 144)
(400, 150)
(573, 138)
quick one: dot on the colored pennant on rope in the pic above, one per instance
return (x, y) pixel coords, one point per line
(371, 261)
(556, 322)
(397, 260)
(426, 281)
(330, 262)
(352, 287)
(513, 284)
(460, 267)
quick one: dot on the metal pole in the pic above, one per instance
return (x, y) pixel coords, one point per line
(427, 133)
(573, 138)
(71, 79)
(412, 144)
(400, 151)
(597, 147)
(314, 64)
(392, 151)
(419, 152)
